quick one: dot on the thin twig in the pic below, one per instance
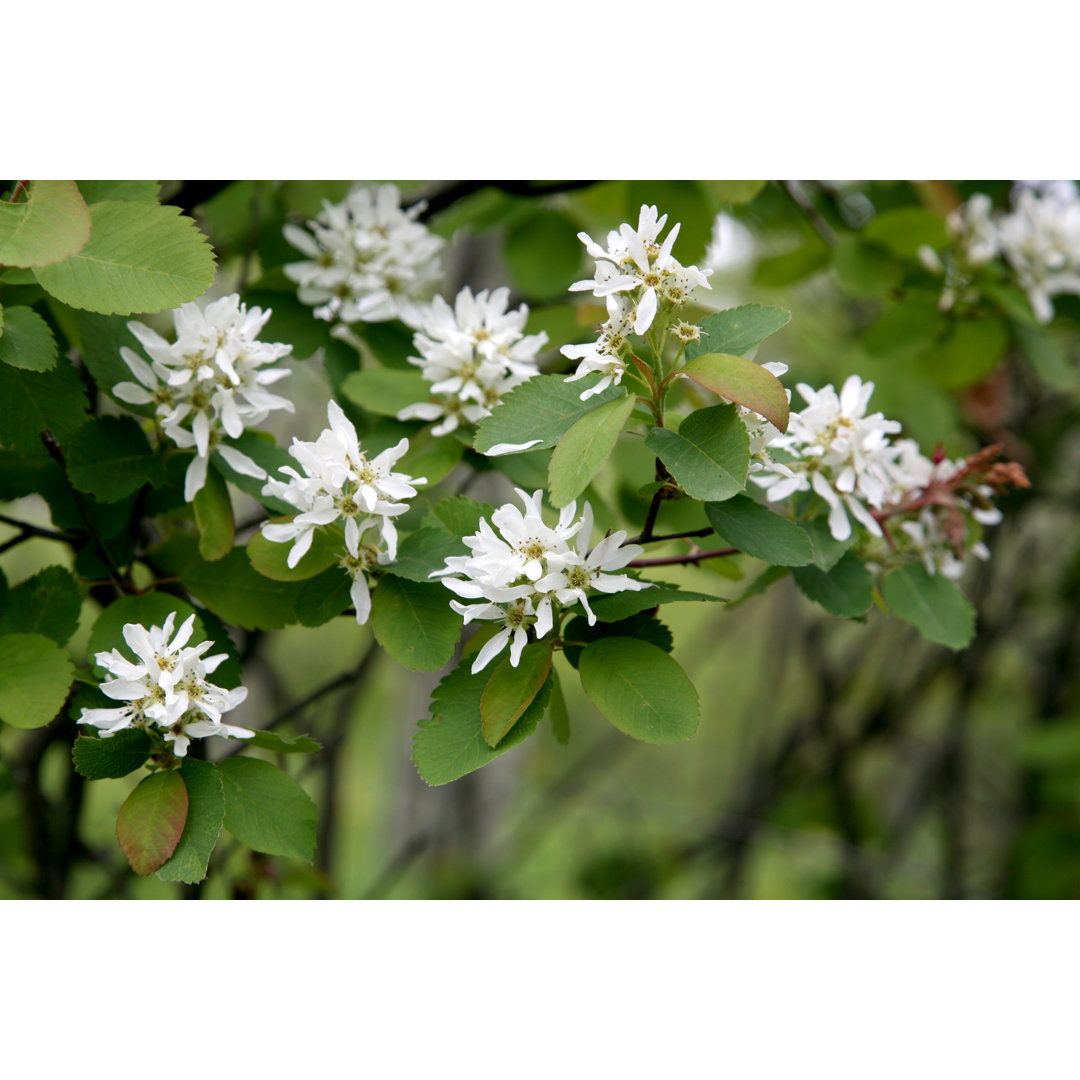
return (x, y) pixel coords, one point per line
(809, 211)
(707, 531)
(691, 559)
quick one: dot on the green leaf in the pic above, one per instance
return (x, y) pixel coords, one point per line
(755, 530)
(846, 590)
(206, 812)
(214, 517)
(111, 458)
(233, 590)
(270, 740)
(31, 401)
(1048, 357)
(709, 457)
(972, 349)
(644, 625)
(35, 675)
(737, 192)
(828, 551)
(431, 456)
(151, 821)
(544, 409)
(94, 191)
(459, 516)
(865, 269)
(385, 391)
(141, 257)
(27, 342)
(414, 623)
(780, 270)
(270, 558)
(906, 328)
(543, 254)
(934, 605)
(51, 225)
(48, 603)
(323, 597)
(267, 809)
(560, 717)
(511, 690)
(743, 382)
(111, 758)
(640, 689)
(622, 605)
(685, 201)
(737, 330)
(584, 448)
(425, 551)
(451, 743)
(101, 338)
(906, 229)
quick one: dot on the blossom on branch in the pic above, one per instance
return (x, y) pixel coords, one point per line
(166, 688)
(210, 383)
(368, 259)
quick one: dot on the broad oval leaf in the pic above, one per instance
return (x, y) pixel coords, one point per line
(386, 391)
(450, 743)
(846, 590)
(511, 690)
(267, 809)
(35, 675)
(141, 257)
(109, 759)
(742, 381)
(932, 604)
(27, 342)
(755, 530)
(710, 454)
(542, 409)
(206, 812)
(52, 224)
(111, 458)
(270, 558)
(640, 689)
(151, 821)
(737, 330)
(48, 603)
(414, 623)
(584, 448)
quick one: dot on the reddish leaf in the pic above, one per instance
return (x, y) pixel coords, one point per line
(742, 381)
(151, 820)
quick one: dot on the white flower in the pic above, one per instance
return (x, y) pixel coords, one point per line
(604, 356)
(340, 484)
(636, 263)
(524, 570)
(210, 383)
(472, 354)
(370, 260)
(166, 688)
(838, 452)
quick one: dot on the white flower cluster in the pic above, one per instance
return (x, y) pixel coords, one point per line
(1039, 239)
(937, 530)
(472, 354)
(838, 452)
(834, 449)
(369, 260)
(339, 483)
(524, 570)
(167, 688)
(638, 278)
(210, 383)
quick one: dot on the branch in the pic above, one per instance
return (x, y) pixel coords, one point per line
(686, 560)
(809, 211)
(643, 539)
